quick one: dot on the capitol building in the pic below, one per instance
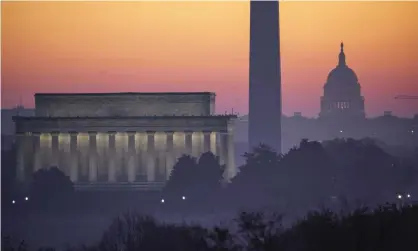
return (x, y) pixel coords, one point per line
(342, 115)
(342, 92)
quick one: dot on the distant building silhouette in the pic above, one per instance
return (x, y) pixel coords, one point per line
(8, 126)
(265, 80)
(336, 118)
(342, 92)
(342, 115)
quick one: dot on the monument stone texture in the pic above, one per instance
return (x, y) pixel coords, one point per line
(265, 108)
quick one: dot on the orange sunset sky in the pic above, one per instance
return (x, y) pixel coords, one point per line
(204, 46)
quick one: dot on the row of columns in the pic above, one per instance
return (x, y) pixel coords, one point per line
(48, 149)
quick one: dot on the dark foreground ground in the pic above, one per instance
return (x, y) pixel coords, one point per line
(84, 219)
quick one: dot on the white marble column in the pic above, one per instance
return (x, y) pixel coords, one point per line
(141, 139)
(83, 156)
(151, 156)
(198, 144)
(92, 157)
(102, 156)
(64, 153)
(111, 172)
(195, 145)
(230, 164)
(131, 157)
(20, 156)
(55, 150)
(74, 165)
(206, 141)
(214, 143)
(170, 154)
(188, 142)
(37, 161)
(227, 153)
(46, 149)
(179, 145)
(223, 148)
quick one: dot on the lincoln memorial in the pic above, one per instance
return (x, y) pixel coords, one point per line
(121, 140)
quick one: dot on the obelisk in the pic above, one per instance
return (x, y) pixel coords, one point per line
(265, 107)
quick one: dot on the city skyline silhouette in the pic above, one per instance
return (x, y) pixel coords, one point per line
(111, 47)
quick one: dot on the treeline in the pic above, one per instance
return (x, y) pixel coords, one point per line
(340, 173)
(388, 228)
(337, 173)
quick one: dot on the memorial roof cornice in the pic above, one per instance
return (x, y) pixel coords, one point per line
(126, 93)
(227, 116)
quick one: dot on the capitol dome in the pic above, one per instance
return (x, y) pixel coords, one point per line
(342, 92)
(342, 74)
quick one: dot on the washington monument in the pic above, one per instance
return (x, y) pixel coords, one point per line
(265, 79)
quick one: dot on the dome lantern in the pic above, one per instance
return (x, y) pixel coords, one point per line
(341, 57)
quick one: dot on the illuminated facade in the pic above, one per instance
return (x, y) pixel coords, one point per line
(122, 140)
